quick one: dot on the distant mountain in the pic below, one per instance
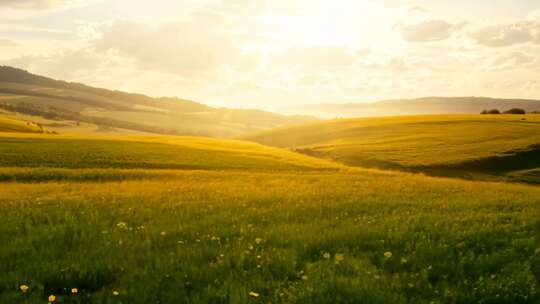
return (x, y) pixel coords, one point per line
(59, 103)
(427, 105)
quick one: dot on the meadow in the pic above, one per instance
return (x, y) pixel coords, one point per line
(473, 146)
(10, 124)
(156, 219)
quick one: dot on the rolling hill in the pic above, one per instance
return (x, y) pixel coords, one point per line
(60, 104)
(149, 152)
(10, 124)
(435, 144)
(105, 219)
(427, 105)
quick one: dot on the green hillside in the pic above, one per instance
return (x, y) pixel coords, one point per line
(480, 143)
(25, 93)
(149, 152)
(10, 124)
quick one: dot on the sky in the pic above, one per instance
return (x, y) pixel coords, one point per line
(275, 54)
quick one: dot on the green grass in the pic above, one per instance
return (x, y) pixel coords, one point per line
(466, 146)
(526, 176)
(151, 152)
(214, 237)
(410, 140)
(9, 124)
(115, 218)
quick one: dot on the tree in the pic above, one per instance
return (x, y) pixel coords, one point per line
(515, 111)
(492, 111)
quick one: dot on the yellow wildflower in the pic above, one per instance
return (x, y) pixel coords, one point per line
(52, 298)
(304, 278)
(258, 241)
(388, 254)
(254, 294)
(24, 288)
(339, 257)
(74, 290)
(115, 293)
(326, 255)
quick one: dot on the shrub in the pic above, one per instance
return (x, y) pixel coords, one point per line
(492, 111)
(515, 111)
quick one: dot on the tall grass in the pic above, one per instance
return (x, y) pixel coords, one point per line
(232, 237)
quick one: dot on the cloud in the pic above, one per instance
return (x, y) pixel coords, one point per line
(508, 34)
(418, 9)
(509, 61)
(65, 64)
(7, 43)
(429, 30)
(33, 4)
(186, 48)
(313, 58)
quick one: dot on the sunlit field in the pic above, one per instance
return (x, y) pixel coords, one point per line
(272, 152)
(8, 124)
(463, 145)
(251, 227)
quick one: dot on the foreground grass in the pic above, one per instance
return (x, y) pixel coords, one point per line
(233, 237)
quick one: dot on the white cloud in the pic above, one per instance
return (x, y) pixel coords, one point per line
(184, 48)
(428, 30)
(510, 60)
(7, 43)
(508, 34)
(34, 4)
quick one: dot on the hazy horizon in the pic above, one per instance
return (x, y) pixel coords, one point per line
(278, 54)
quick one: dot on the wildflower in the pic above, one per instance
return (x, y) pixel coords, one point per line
(254, 294)
(339, 257)
(24, 288)
(121, 225)
(258, 241)
(326, 255)
(304, 278)
(52, 298)
(74, 290)
(388, 254)
(163, 233)
(115, 293)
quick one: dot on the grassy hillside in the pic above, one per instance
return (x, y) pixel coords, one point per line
(10, 124)
(465, 142)
(157, 152)
(252, 224)
(426, 105)
(38, 96)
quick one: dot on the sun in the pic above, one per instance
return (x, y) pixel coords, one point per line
(325, 23)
